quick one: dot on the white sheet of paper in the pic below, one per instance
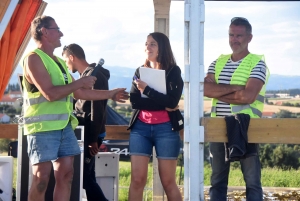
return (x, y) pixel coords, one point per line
(155, 79)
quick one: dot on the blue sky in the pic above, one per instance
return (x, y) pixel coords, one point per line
(116, 30)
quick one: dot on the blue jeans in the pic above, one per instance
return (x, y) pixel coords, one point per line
(144, 136)
(92, 189)
(51, 145)
(251, 169)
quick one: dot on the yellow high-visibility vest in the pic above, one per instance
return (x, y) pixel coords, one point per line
(41, 114)
(240, 77)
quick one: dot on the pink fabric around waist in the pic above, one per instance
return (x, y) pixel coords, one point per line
(154, 117)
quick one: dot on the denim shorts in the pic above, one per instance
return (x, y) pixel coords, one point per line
(51, 145)
(144, 136)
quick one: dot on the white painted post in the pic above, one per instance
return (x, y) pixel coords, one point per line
(193, 95)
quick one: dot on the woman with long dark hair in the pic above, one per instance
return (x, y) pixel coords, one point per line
(156, 120)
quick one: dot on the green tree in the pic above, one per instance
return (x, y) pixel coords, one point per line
(4, 144)
(266, 153)
(287, 104)
(284, 114)
(267, 101)
(114, 104)
(285, 157)
(11, 110)
(3, 108)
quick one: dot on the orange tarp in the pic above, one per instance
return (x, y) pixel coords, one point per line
(13, 37)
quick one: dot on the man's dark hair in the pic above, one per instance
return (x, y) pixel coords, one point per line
(240, 21)
(37, 24)
(75, 50)
(165, 56)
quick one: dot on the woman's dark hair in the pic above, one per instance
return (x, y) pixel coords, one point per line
(37, 24)
(165, 56)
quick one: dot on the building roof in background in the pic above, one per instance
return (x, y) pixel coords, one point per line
(7, 98)
(268, 113)
(15, 93)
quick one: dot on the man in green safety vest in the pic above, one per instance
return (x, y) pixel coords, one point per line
(237, 84)
(48, 104)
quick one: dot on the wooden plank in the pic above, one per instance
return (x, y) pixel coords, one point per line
(116, 132)
(120, 132)
(9, 131)
(113, 132)
(3, 7)
(285, 130)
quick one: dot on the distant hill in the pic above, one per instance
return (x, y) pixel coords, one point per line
(122, 77)
(279, 82)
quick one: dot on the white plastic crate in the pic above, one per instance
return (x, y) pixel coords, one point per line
(107, 174)
(6, 177)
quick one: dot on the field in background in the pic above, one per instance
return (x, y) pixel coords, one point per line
(267, 108)
(271, 177)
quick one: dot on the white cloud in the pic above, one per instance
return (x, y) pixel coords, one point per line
(116, 30)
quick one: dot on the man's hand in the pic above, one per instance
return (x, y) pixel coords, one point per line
(88, 82)
(93, 148)
(140, 85)
(119, 95)
(172, 110)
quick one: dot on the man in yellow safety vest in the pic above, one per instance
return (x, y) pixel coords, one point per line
(237, 84)
(48, 104)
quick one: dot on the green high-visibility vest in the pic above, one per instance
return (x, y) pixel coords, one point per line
(39, 113)
(240, 77)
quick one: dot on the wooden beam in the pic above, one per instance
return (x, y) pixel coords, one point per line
(117, 132)
(3, 7)
(121, 132)
(9, 131)
(284, 131)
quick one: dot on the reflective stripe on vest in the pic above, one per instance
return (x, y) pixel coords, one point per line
(237, 108)
(42, 99)
(46, 117)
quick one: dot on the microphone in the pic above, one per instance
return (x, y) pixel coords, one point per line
(94, 73)
(99, 65)
(101, 62)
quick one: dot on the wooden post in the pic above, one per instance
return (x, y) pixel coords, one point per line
(161, 24)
